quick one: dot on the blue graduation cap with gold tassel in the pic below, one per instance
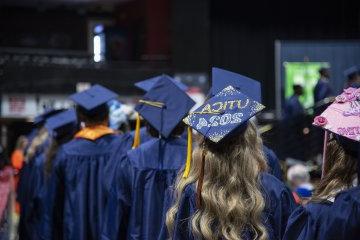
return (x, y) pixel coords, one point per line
(163, 107)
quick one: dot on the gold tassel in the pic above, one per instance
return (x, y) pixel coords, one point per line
(189, 153)
(137, 132)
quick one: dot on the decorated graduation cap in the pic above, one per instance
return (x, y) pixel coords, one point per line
(147, 84)
(62, 123)
(222, 78)
(342, 118)
(93, 97)
(227, 112)
(163, 107)
(223, 113)
(40, 119)
(351, 72)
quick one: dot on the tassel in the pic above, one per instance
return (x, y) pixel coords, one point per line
(137, 132)
(200, 181)
(188, 154)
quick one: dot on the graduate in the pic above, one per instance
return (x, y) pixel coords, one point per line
(322, 88)
(38, 141)
(145, 86)
(352, 75)
(226, 192)
(76, 191)
(334, 209)
(140, 193)
(222, 78)
(61, 128)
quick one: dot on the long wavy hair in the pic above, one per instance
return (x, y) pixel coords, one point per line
(36, 143)
(231, 193)
(340, 169)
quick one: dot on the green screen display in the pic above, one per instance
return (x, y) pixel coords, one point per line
(305, 74)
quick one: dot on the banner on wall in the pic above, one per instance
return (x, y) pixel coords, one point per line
(305, 74)
(30, 105)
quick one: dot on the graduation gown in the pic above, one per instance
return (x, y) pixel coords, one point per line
(293, 108)
(141, 192)
(25, 192)
(322, 90)
(144, 135)
(329, 220)
(279, 204)
(34, 207)
(272, 162)
(76, 194)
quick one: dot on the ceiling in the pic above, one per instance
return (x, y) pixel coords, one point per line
(59, 2)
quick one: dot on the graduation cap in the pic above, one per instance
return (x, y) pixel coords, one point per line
(223, 113)
(147, 84)
(342, 118)
(164, 106)
(62, 123)
(40, 119)
(93, 97)
(351, 72)
(222, 78)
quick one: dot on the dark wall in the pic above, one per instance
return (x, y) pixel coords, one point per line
(243, 32)
(37, 28)
(190, 35)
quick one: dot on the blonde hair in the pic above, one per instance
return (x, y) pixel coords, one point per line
(340, 169)
(38, 140)
(231, 192)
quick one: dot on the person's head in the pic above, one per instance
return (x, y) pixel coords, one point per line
(97, 116)
(340, 169)
(231, 195)
(36, 143)
(178, 130)
(324, 73)
(21, 143)
(353, 80)
(4, 160)
(298, 90)
(297, 175)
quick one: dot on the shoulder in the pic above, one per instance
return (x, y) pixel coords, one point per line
(271, 184)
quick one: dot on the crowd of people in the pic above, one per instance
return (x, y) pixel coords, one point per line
(182, 173)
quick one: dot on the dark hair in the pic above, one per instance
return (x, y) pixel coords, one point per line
(323, 71)
(178, 130)
(93, 117)
(4, 160)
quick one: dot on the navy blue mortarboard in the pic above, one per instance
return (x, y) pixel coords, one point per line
(351, 71)
(164, 105)
(223, 113)
(93, 97)
(147, 84)
(222, 78)
(47, 113)
(62, 123)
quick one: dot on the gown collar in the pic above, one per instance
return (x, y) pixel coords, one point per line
(94, 132)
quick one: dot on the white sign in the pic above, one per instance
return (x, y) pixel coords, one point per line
(31, 105)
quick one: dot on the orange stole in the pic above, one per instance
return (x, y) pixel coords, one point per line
(93, 133)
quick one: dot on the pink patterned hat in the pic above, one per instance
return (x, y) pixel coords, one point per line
(342, 117)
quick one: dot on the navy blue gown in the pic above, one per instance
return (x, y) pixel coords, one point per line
(25, 192)
(279, 205)
(293, 108)
(339, 220)
(272, 162)
(142, 189)
(322, 90)
(76, 193)
(144, 135)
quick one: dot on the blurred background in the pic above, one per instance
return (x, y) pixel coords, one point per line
(50, 49)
